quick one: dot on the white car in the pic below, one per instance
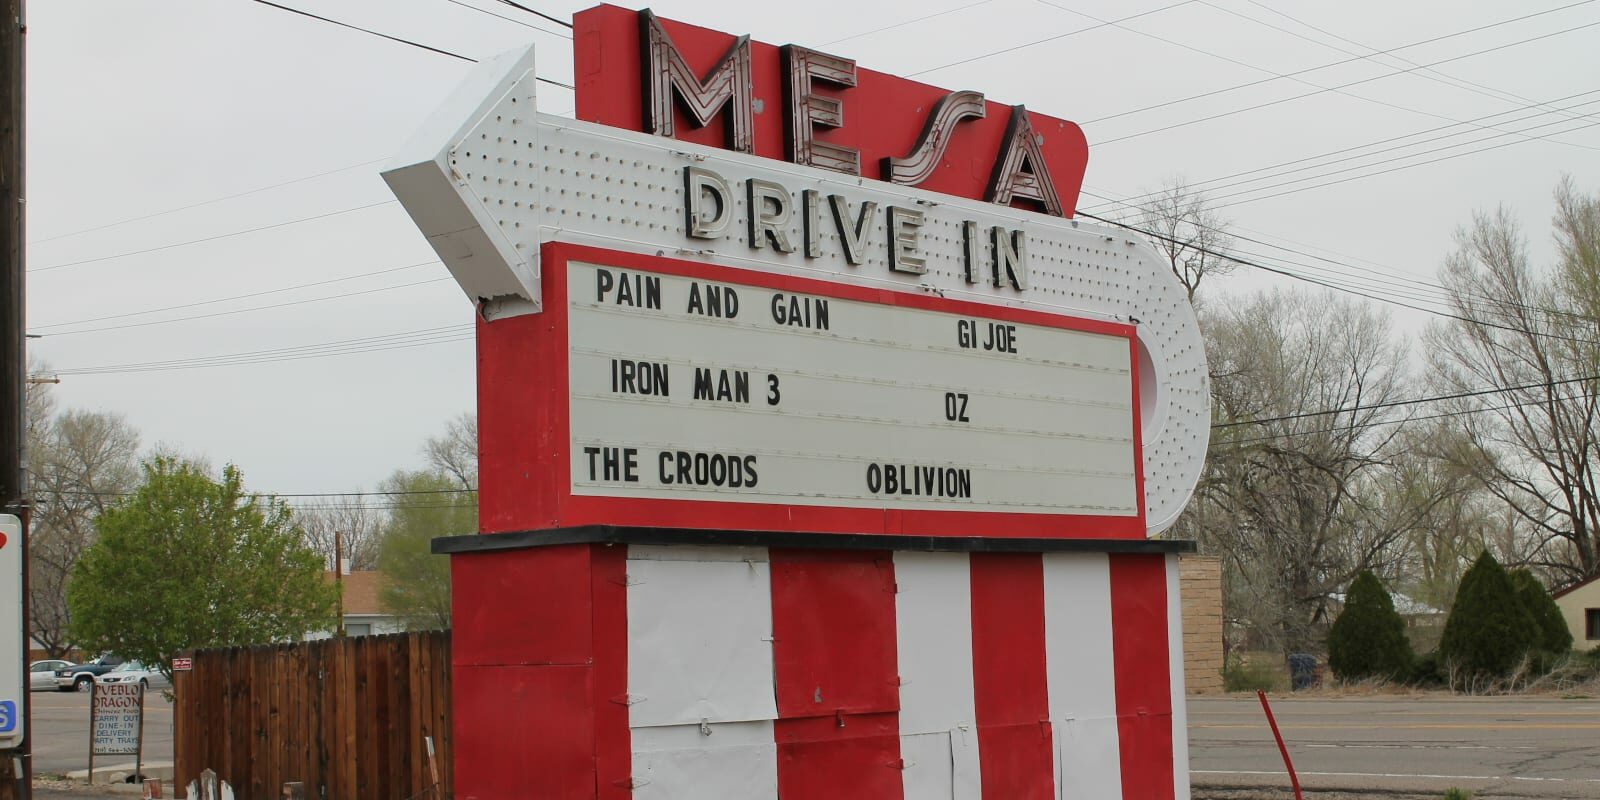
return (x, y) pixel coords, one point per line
(134, 672)
(42, 674)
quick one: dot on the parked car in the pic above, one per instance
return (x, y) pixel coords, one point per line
(79, 677)
(134, 672)
(42, 674)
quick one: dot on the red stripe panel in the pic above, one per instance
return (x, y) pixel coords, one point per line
(1144, 682)
(613, 753)
(522, 731)
(527, 606)
(851, 757)
(836, 678)
(1009, 680)
(523, 661)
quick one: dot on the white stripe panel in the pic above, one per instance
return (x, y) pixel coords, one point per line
(699, 636)
(734, 760)
(700, 692)
(1081, 675)
(933, 624)
(1180, 712)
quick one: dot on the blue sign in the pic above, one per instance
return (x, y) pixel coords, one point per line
(8, 716)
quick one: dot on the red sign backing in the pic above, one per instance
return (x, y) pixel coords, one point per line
(883, 116)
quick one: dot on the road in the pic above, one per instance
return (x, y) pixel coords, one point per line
(61, 731)
(1493, 746)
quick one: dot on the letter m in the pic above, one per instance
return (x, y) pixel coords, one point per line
(666, 75)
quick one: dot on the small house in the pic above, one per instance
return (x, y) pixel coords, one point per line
(1580, 607)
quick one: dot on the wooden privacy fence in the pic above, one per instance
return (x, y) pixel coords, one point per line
(347, 718)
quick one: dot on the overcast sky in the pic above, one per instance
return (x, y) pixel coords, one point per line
(142, 106)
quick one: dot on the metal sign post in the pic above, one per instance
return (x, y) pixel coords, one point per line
(13, 690)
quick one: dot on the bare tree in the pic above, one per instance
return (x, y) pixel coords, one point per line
(1189, 234)
(439, 501)
(39, 403)
(1295, 499)
(82, 462)
(1535, 334)
(456, 452)
(356, 524)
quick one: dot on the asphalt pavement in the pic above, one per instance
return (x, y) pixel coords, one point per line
(61, 732)
(1496, 747)
(1492, 746)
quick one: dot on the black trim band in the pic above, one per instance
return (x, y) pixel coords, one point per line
(612, 534)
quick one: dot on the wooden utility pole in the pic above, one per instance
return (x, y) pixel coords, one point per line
(338, 580)
(15, 765)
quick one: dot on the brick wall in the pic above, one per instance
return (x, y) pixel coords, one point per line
(1200, 585)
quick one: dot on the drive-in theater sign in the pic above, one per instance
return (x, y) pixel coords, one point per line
(821, 449)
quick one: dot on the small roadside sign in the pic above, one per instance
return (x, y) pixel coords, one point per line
(14, 660)
(182, 664)
(116, 722)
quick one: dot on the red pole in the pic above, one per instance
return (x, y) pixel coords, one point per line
(1293, 779)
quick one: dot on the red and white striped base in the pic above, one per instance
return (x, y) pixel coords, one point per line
(594, 670)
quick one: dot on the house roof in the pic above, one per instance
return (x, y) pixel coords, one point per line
(361, 591)
(1404, 605)
(1576, 586)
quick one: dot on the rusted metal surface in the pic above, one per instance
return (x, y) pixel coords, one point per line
(668, 76)
(808, 110)
(1021, 171)
(917, 165)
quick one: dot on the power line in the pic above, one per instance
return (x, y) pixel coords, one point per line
(1342, 62)
(1346, 85)
(540, 14)
(1331, 285)
(403, 339)
(420, 45)
(1375, 423)
(237, 296)
(509, 19)
(1385, 171)
(912, 21)
(1247, 65)
(1049, 39)
(1429, 74)
(211, 238)
(1411, 402)
(229, 313)
(1424, 291)
(369, 31)
(286, 495)
(1430, 151)
(1375, 143)
(234, 196)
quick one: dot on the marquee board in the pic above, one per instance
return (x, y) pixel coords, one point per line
(718, 397)
(497, 187)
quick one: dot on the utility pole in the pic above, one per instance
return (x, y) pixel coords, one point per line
(338, 579)
(16, 769)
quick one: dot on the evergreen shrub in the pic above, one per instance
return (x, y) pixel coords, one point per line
(1368, 639)
(1489, 630)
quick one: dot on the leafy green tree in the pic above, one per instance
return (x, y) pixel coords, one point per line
(192, 561)
(416, 582)
(1368, 640)
(1489, 630)
(1553, 638)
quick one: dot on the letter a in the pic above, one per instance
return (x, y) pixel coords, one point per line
(1021, 170)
